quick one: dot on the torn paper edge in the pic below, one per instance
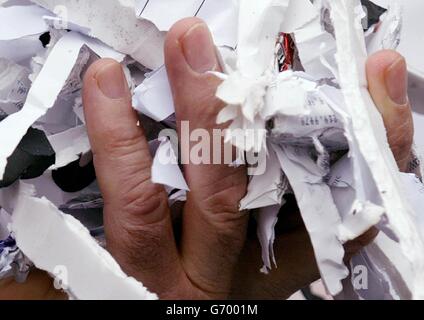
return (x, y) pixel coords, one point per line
(367, 123)
(62, 246)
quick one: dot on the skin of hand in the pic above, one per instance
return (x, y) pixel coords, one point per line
(209, 256)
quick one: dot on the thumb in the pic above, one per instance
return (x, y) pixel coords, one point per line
(388, 85)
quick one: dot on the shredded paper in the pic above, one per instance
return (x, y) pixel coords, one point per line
(294, 73)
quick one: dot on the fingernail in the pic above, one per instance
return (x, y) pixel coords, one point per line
(111, 81)
(199, 49)
(397, 82)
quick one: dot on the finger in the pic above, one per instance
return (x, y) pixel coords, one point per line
(213, 228)
(388, 83)
(137, 219)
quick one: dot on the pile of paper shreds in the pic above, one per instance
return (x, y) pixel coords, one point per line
(296, 77)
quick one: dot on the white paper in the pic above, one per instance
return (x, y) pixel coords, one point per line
(165, 169)
(153, 96)
(14, 86)
(21, 50)
(68, 252)
(153, 10)
(220, 15)
(114, 23)
(267, 218)
(267, 189)
(369, 131)
(69, 145)
(45, 90)
(319, 213)
(21, 21)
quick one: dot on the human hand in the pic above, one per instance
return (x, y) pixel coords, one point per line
(201, 262)
(139, 231)
(387, 83)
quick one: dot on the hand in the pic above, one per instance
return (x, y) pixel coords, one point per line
(201, 263)
(139, 232)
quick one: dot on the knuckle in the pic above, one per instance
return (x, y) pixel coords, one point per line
(226, 220)
(120, 144)
(400, 133)
(220, 205)
(401, 141)
(225, 194)
(144, 200)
